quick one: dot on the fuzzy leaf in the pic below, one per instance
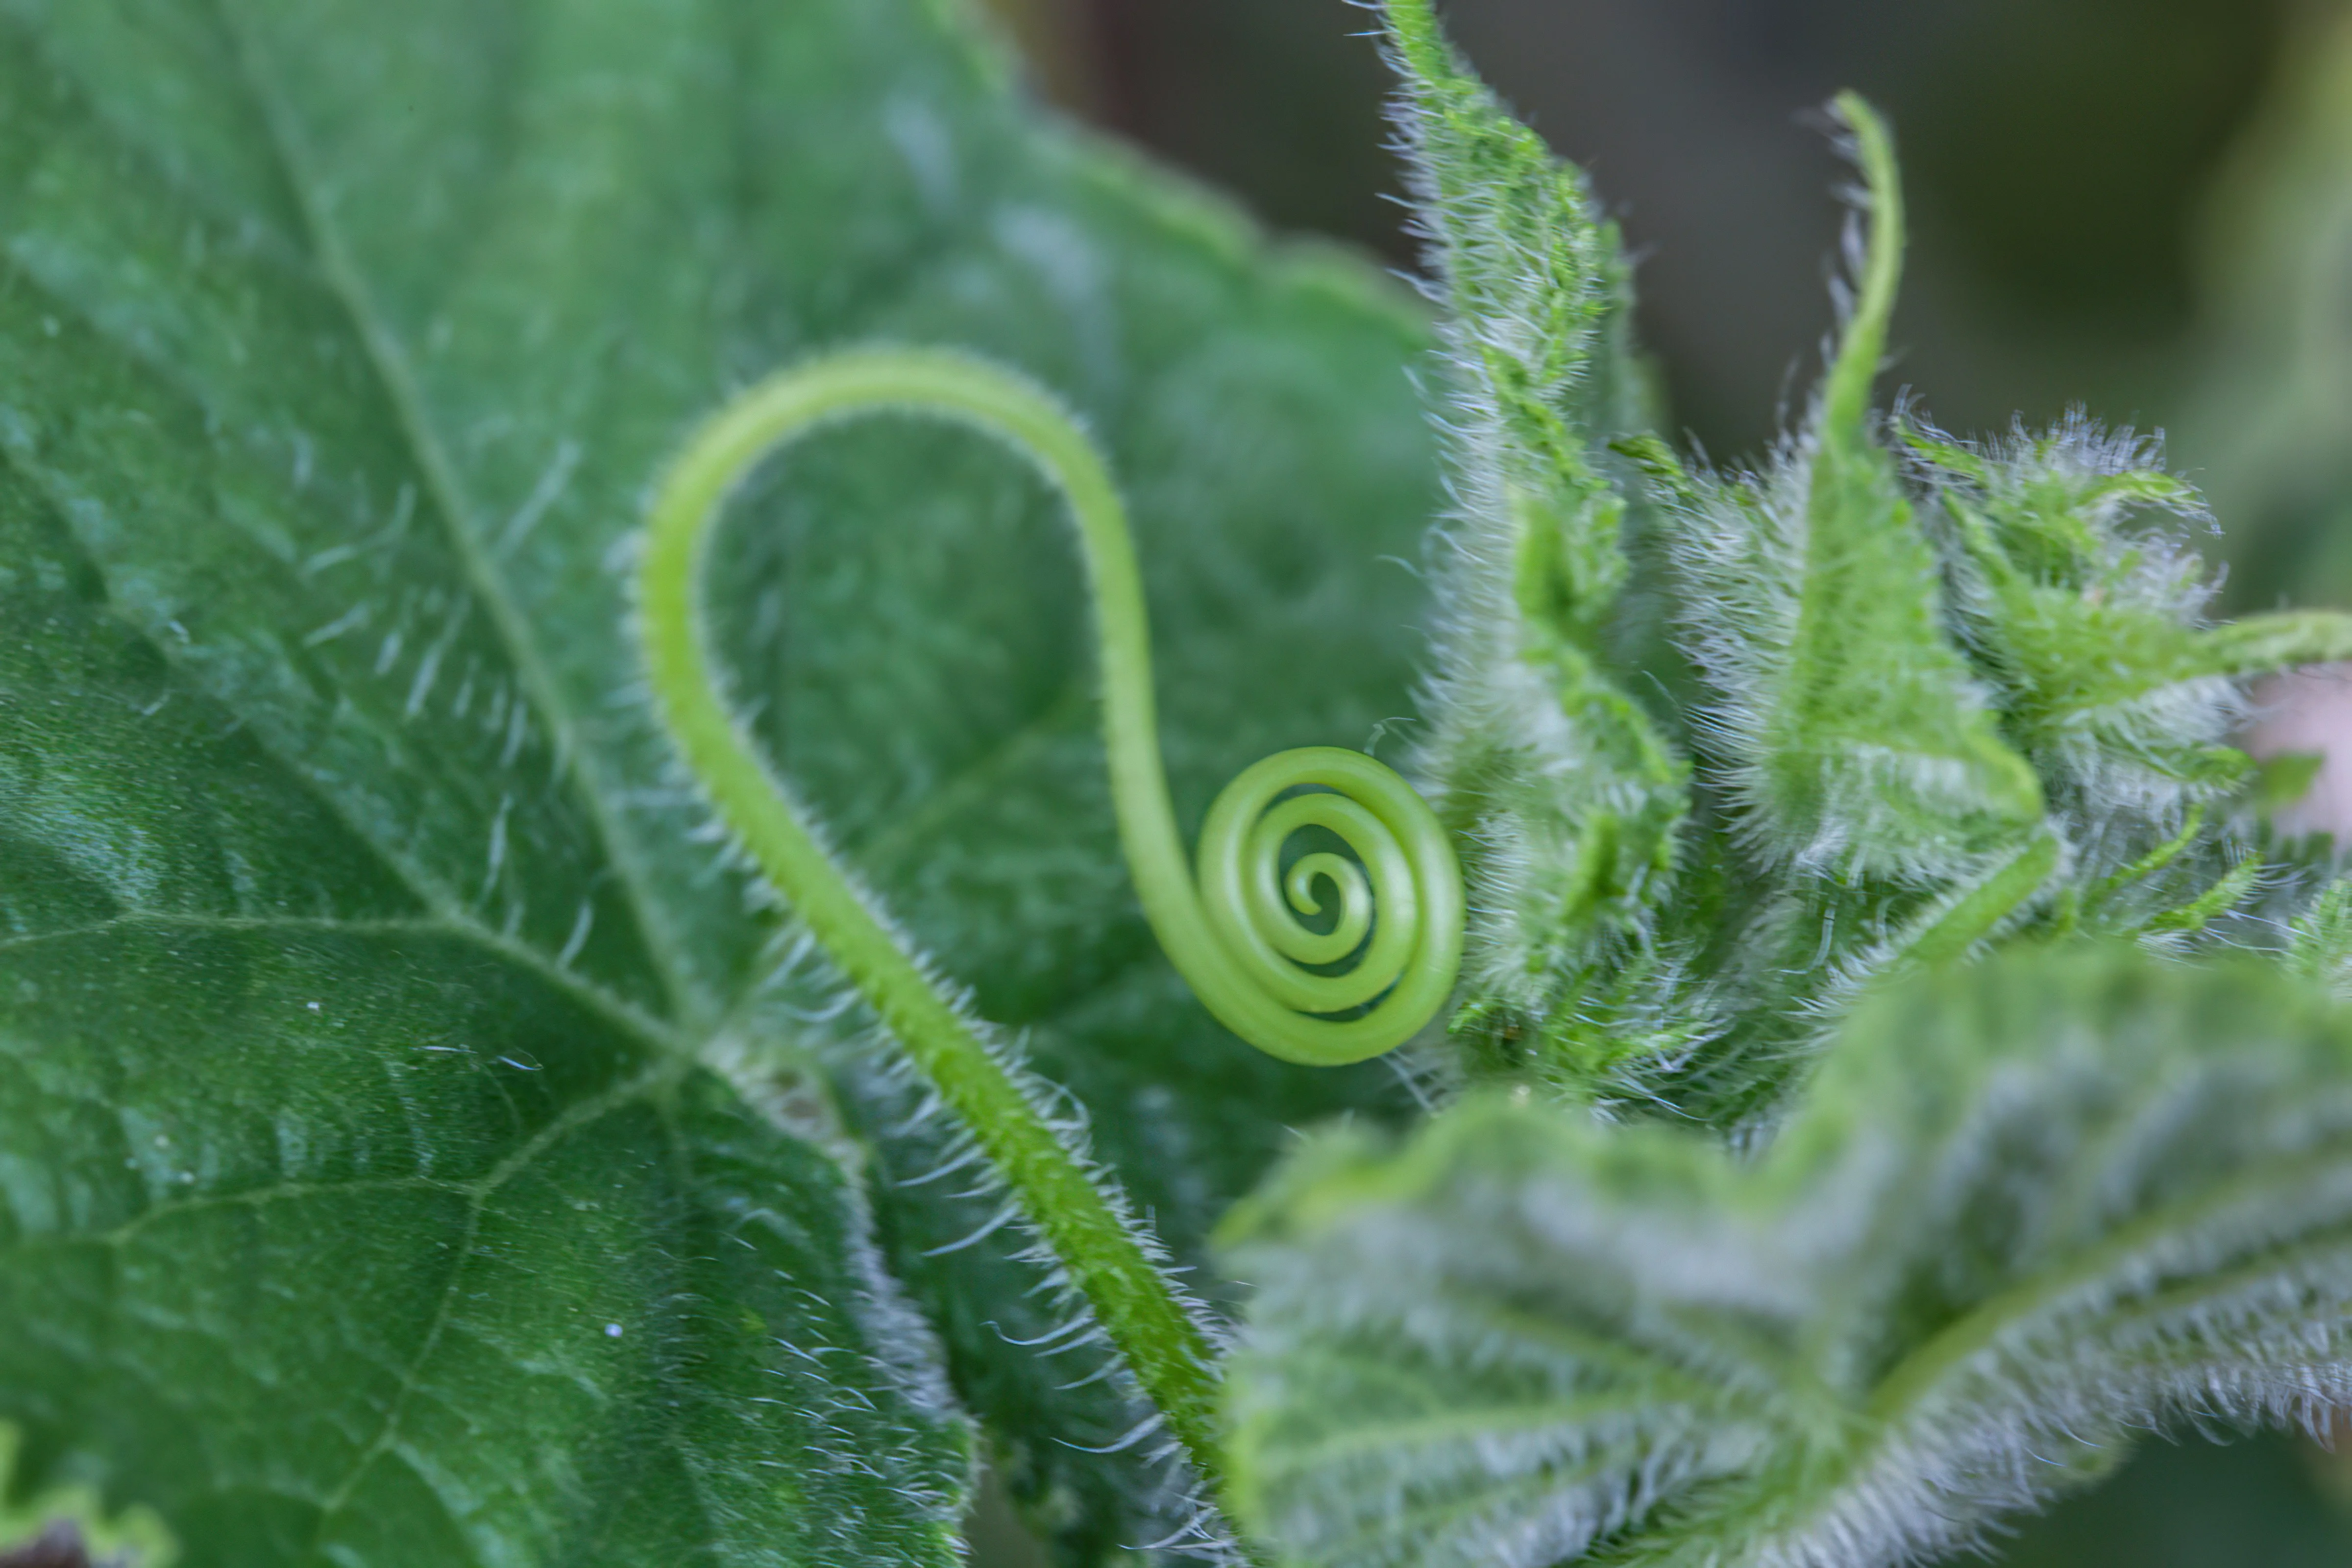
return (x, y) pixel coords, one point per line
(1854, 733)
(2090, 622)
(1563, 792)
(338, 343)
(2025, 1211)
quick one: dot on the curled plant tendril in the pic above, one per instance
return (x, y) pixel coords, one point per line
(1240, 944)
(1235, 935)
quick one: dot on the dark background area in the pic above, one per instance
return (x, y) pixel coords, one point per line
(2058, 155)
(2062, 159)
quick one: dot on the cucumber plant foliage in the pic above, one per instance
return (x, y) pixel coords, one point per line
(1898, 1067)
(577, 984)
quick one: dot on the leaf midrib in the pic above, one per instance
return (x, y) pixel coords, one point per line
(388, 364)
(449, 912)
(1891, 1402)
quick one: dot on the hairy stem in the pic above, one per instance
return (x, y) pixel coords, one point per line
(1846, 396)
(1399, 913)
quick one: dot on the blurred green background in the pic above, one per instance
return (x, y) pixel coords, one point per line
(2142, 206)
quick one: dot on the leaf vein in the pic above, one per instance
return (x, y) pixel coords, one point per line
(481, 572)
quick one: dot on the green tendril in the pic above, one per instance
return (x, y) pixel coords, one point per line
(1854, 371)
(1235, 936)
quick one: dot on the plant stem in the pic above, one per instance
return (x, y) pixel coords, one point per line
(1236, 945)
(1165, 1348)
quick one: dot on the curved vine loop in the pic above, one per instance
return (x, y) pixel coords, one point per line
(1236, 935)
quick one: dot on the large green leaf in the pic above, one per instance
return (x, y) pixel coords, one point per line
(334, 1227)
(2025, 1212)
(338, 343)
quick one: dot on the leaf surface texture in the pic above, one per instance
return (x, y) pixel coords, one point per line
(337, 344)
(2024, 1212)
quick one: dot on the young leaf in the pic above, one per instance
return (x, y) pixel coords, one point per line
(2110, 679)
(2026, 1211)
(341, 343)
(1936, 705)
(1855, 738)
(1564, 792)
